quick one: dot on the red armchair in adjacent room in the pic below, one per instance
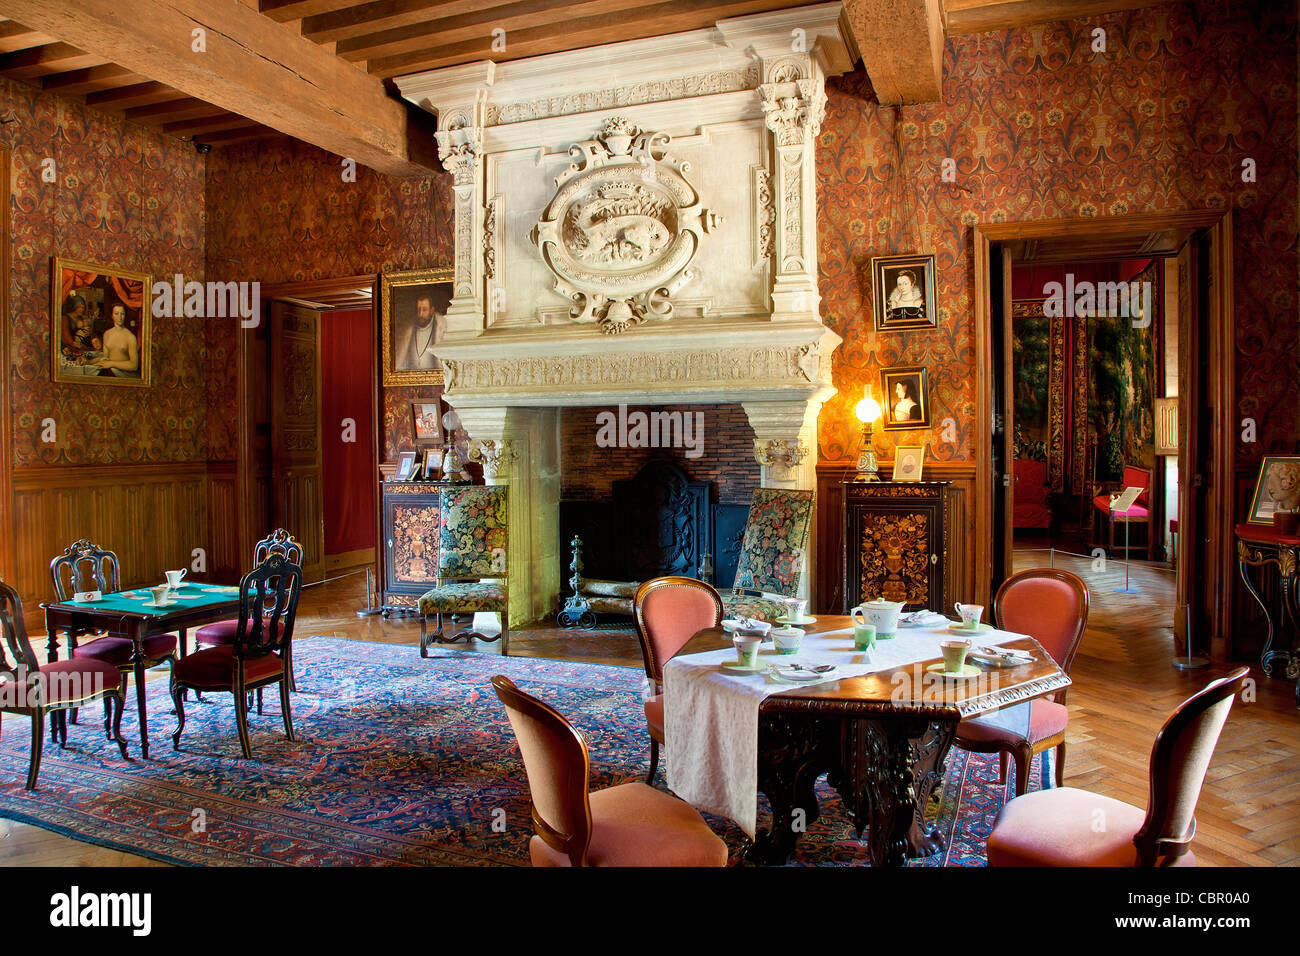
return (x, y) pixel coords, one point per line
(1138, 514)
(1032, 507)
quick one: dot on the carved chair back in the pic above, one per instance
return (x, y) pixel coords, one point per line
(16, 654)
(1179, 758)
(278, 541)
(558, 769)
(84, 564)
(268, 607)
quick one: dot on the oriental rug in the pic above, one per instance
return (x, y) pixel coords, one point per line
(398, 760)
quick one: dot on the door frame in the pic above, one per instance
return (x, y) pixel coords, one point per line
(1218, 348)
(340, 292)
(7, 552)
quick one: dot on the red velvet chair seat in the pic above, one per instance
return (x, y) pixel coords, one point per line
(92, 679)
(118, 651)
(214, 667)
(654, 716)
(636, 825)
(1046, 719)
(1068, 827)
(1135, 512)
(222, 632)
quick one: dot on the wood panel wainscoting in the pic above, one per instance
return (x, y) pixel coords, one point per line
(827, 593)
(152, 515)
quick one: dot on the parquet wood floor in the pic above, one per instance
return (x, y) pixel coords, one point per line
(1124, 687)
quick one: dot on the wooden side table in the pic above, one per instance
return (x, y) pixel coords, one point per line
(1259, 546)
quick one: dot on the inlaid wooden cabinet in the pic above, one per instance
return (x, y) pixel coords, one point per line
(410, 543)
(902, 542)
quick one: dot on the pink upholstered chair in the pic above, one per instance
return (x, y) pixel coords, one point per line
(1059, 827)
(1139, 513)
(627, 825)
(1051, 606)
(669, 611)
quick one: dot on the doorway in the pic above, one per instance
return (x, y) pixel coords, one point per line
(308, 387)
(1197, 246)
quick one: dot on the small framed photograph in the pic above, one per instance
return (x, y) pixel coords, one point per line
(432, 462)
(101, 318)
(1277, 490)
(907, 397)
(413, 320)
(908, 460)
(903, 292)
(405, 466)
(427, 417)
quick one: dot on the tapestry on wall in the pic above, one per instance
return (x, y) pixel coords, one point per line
(1122, 388)
(1040, 378)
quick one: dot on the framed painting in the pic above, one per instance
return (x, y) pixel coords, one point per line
(413, 320)
(432, 463)
(908, 461)
(427, 418)
(100, 321)
(903, 292)
(1276, 490)
(405, 466)
(907, 397)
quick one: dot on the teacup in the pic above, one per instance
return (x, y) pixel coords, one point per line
(864, 637)
(160, 594)
(746, 650)
(796, 610)
(970, 614)
(954, 655)
(174, 578)
(787, 639)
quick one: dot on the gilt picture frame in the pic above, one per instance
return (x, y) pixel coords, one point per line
(1276, 489)
(909, 461)
(413, 320)
(101, 320)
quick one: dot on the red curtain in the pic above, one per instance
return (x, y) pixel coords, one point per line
(347, 357)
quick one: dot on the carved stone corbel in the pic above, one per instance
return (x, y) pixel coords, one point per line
(782, 456)
(495, 456)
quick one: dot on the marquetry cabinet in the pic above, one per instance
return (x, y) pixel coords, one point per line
(902, 542)
(410, 543)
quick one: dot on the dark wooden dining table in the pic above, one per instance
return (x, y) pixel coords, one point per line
(119, 616)
(882, 739)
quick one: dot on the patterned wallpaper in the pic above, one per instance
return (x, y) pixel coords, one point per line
(280, 211)
(1041, 127)
(122, 196)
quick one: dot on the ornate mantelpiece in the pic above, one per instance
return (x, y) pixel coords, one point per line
(637, 223)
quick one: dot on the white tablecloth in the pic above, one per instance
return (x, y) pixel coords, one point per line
(711, 716)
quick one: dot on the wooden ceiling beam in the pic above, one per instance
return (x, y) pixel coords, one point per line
(228, 136)
(15, 36)
(158, 113)
(282, 11)
(128, 97)
(901, 42)
(93, 79)
(208, 124)
(36, 62)
(366, 18)
(658, 19)
(983, 16)
(250, 65)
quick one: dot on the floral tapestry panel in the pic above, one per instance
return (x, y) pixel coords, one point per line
(472, 543)
(776, 538)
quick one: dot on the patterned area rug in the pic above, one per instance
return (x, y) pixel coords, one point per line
(399, 761)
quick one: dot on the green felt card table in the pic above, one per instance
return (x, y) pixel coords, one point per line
(131, 614)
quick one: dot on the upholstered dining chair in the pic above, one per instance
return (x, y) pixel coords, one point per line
(771, 553)
(34, 689)
(1051, 606)
(87, 567)
(278, 541)
(626, 825)
(1059, 827)
(669, 611)
(473, 531)
(259, 654)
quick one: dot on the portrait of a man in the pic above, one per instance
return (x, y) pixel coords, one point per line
(415, 321)
(101, 324)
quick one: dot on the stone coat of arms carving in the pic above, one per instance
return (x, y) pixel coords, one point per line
(622, 229)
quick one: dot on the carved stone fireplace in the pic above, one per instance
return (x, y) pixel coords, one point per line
(635, 223)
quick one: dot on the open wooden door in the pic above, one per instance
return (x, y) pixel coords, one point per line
(1004, 426)
(296, 451)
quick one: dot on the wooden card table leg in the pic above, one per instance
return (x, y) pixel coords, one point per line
(137, 664)
(924, 839)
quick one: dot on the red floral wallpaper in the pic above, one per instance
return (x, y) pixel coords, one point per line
(1040, 127)
(280, 211)
(122, 196)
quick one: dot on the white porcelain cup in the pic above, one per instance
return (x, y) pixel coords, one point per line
(796, 609)
(160, 594)
(970, 614)
(174, 578)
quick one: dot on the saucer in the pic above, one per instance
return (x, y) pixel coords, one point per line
(788, 673)
(164, 604)
(963, 629)
(967, 671)
(738, 668)
(790, 623)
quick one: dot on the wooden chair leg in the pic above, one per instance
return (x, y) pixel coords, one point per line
(118, 705)
(1060, 764)
(1024, 762)
(505, 634)
(284, 706)
(38, 740)
(654, 761)
(63, 729)
(108, 718)
(259, 702)
(241, 722)
(178, 698)
(1002, 766)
